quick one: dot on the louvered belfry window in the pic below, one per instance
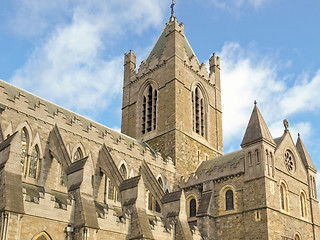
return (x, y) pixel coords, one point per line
(149, 110)
(198, 112)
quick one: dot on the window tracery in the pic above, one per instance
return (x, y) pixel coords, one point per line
(289, 161)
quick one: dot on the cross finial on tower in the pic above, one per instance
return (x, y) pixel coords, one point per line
(172, 12)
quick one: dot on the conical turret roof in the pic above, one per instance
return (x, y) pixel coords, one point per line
(304, 154)
(257, 129)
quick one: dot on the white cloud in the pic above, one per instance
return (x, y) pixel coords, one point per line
(239, 3)
(69, 67)
(247, 76)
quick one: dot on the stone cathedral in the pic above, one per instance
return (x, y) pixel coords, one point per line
(63, 176)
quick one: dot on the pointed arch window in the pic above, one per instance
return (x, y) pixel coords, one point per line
(297, 236)
(198, 112)
(24, 150)
(62, 177)
(303, 205)
(42, 236)
(283, 197)
(34, 163)
(78, 155)
(149, 109)
(123, 172)
(160, 182)
(229, 200)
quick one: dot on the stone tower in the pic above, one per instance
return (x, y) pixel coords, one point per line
(172, 103)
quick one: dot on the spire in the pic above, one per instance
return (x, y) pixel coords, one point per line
(171, 27)
(304, 154)
(257, 129)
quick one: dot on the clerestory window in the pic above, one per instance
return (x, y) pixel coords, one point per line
(149, 110)
(24, 150)
(198, 112)
(229, 200)
(77, 155)
(34, 163)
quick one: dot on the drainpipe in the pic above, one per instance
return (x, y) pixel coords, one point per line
(4, 225)
(85, 234)
(68, 230)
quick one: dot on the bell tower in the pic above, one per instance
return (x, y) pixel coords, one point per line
(172, 102)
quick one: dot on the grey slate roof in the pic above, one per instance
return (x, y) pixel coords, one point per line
(257, 129)
(227, 159)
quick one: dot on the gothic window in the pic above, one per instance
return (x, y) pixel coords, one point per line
(283, 197)
(153, 204)
(42, 236)
(297, 236)
(24, 150)
(271, 164)
(229, 200)
(249, 158)
(303, 205)
(198, 112)
(62, 177)
(123, 171)
(150, 201)
(110, 191)
(34, 163)
(257, 157)
(149, 110)
(267, 163)
(289, 161)
(192, 207)
(314, 187)
(77, 155)
(160, 182)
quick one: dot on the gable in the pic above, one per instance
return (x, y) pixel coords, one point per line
(286, 144)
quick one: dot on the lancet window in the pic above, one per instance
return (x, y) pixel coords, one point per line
(63, 177)
(24, 150)
(123, 172)
(303, 205)
(34, 163)
(198, 112)
(149, 109)
(77, 155)
(283, 197)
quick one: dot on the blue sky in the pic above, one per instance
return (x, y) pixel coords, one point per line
(71, 53)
